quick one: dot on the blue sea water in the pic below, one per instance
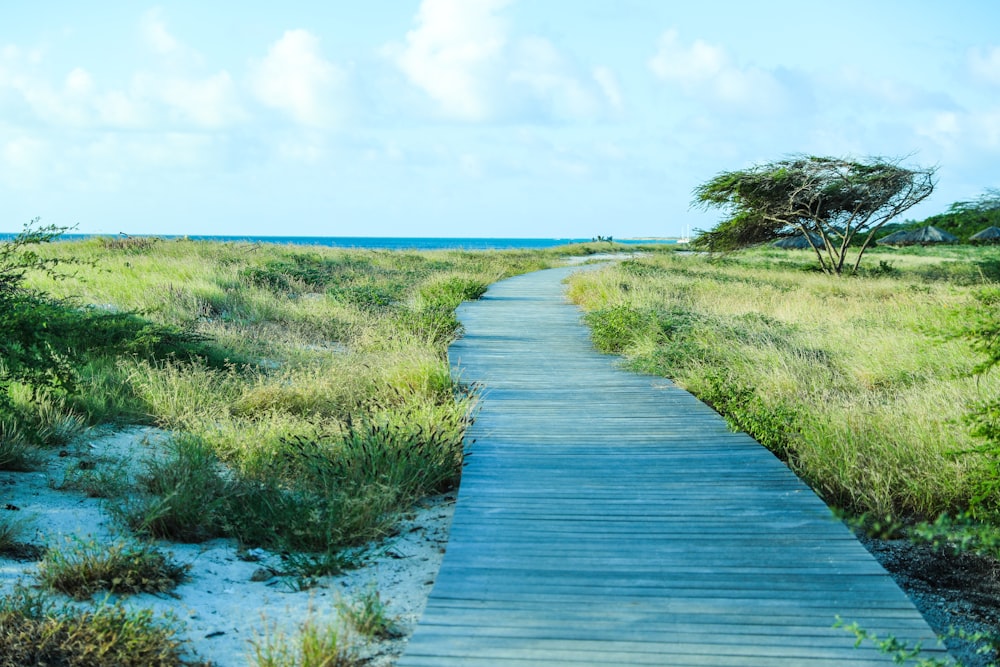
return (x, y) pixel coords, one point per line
(382, 243)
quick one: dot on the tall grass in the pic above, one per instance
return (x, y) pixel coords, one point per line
(307, 388)
(859, 383)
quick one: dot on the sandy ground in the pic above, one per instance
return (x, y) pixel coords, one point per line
(231, 598)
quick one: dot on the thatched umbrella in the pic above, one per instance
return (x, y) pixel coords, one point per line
(922, 236)
(799, 242)
(988, 235)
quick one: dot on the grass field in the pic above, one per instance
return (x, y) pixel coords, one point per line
(862, 384)
(308, 388)
(310, 401)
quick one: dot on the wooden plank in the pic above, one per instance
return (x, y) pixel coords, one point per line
(611, 518)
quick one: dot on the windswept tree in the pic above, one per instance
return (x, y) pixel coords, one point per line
(831, 202)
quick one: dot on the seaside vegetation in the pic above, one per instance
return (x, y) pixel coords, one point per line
(306, 389)
(867, 386)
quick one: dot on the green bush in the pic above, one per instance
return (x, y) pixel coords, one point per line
(614, 329)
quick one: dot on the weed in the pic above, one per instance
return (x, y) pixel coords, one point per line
(959, 535)
(97, 479)
(316, 644)
(15, 452)
(12, 529)
(35, 631)
(84, 568)
(368, 615)
(902, 652)
(187, 497)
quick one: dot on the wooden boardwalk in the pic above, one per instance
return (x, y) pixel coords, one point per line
(608, 518)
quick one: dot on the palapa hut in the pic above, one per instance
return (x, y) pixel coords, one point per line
(923, 236)
(799, 242)
(988, 235)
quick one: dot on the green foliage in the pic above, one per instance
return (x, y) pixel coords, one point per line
(15, 452)
(83, 568)
(45, 341)
(35, 631)
(958, 535)
(903, 653)
(748, 411)
(186, 497)
(831, 199)
(965, 218)
(614, 329)
(983, 331)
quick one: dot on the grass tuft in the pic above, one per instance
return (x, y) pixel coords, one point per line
(316, 644)
(367, 614)
(124, 568)
(35, 631)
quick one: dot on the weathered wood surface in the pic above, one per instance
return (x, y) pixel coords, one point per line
(608, 518)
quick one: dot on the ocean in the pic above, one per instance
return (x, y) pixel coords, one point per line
(382, 243)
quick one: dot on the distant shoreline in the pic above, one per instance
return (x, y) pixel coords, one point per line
(377, 242)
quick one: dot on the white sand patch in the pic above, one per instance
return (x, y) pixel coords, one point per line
(222, 607)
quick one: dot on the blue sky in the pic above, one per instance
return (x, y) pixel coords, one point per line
(534, 118)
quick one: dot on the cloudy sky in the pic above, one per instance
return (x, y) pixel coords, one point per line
(513, 118)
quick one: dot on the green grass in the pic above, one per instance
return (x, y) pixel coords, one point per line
(12, 530)
(366, 613)
(80, 569)
(316, 644)
(861, 384)
(36, 631)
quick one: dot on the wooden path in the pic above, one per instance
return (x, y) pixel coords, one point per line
(608, 518)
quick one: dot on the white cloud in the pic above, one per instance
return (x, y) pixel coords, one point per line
(964, 133)
(210, 102)
(295, 78)
(985, 64)
(24, 156)
(454, 53)
(694, 65)
(462, 55)
(706, 71)
(608, 82)
(153, 30)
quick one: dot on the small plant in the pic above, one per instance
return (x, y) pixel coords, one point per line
(84, 568)
(35, 631)
(15, 452)
(97, 480)
(315, 645)
(12, 529)
(902, 653)
(188, 497)
(884, 527)
(959, 535)
(368, 615)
